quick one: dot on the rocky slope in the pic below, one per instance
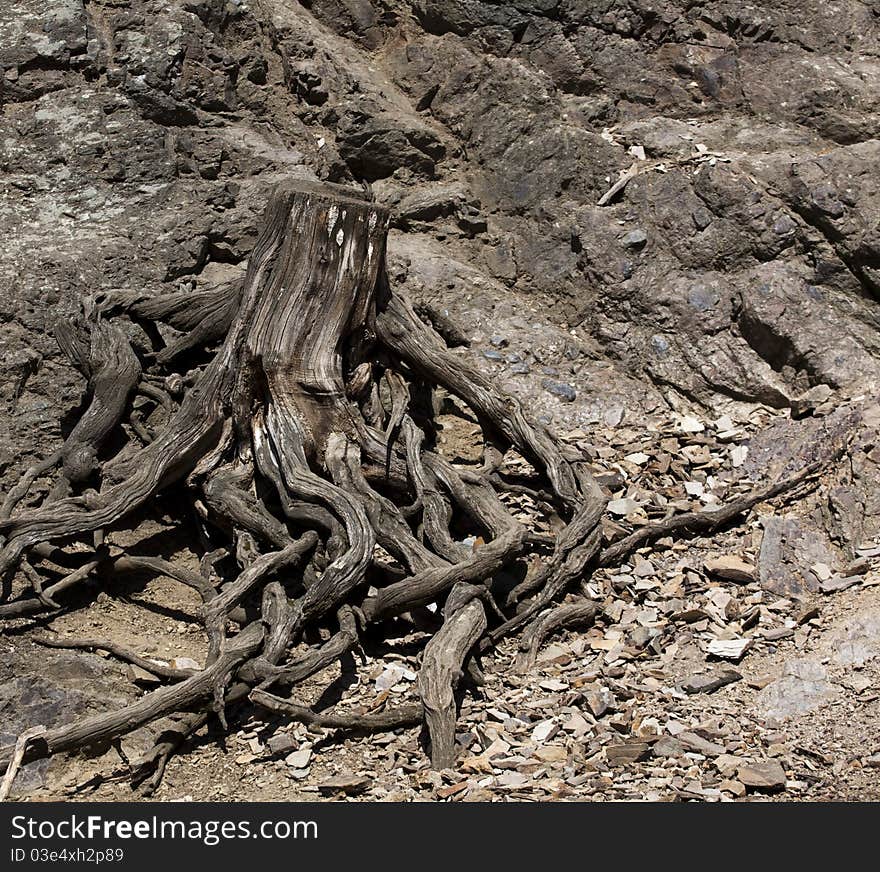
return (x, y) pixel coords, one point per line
(631, 208)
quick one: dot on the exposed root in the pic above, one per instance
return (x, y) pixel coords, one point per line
(320, 497)
(118, 651)
(442, 669)
(579, 614)
(368, 722)
(709, 521)
(18, 753)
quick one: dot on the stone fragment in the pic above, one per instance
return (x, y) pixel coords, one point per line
(347, 783)
(184, 663)
(299, 759)
(856, 641)
(836, 584)
(687, 424)
(141, 676)
(667, 746)
(543, 731)
(622, 507)
(451, 789)
(778, 633)
(564, 391)
(729, 649)
(738, 455)
(767, 775)
(710, 682)
(695, 742)
(601, 701)
(733, 787)
(553, 684)
(822, 571)
(281, 743)
(731, 568)
(644, 568)
(635, 238)
(551, 754)
(512, 779)
(788, 548)
(804, 686)
(628, 752)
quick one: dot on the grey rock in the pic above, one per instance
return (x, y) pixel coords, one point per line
(635, 238)
(789, 547)
(702, 299)
(701, 217)
(856, 641)
(777, 634)
(710, 682)
(564, 391)
(837, 584)
(644, 568)
(694, 742)
(299, 759)
(600, 702)
(803, 687)
(52, 687)
(282, 743)
(667, 746)
(731, 568)
(613, 416)
(622, 506)
(784, 226)
(629, 752)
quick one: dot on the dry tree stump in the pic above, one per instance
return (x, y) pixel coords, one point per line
(303, 447)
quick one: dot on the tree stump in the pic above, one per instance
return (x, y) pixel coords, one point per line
(304, 449)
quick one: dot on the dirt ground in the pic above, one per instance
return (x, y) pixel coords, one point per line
(604, 714)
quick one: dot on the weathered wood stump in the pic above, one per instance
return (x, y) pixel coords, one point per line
(301, 447)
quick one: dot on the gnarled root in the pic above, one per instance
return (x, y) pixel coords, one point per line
(315, 479)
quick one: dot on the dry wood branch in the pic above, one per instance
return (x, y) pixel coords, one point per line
(404, 333)
(369, 722)
(17, 757)
(440, 674)
(708, 521)
(294, 673)
(102, 353)
(19, 492)
(154, 705)
(119, 651)
(20, 608)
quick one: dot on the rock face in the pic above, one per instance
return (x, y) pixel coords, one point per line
(803, 687)
(139, 137)
(43, 686)
(788, 548)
